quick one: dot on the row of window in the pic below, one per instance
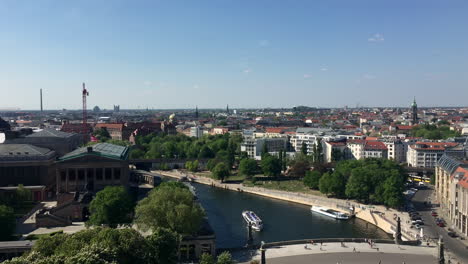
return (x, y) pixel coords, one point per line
(98, 173)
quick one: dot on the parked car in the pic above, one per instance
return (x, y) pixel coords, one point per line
(452, 234)
(441, 224)
(434, 213)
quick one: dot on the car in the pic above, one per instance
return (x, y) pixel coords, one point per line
(452, 234)
(441, 224)
(414, 218)
(434, 213)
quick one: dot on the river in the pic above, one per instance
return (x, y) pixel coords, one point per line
(282, 220)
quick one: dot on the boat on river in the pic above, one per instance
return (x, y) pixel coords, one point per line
(329, 212)
(252, 219)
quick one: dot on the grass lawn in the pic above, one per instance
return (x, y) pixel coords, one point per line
(233, 177)
(37, 236)
(289, 186)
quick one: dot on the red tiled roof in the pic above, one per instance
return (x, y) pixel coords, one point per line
(463, 181)
(400, 127)
(113, 126)
(375, 145)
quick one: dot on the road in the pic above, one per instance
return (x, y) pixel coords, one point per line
(431, 230)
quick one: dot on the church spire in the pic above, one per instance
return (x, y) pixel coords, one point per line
(196, 112)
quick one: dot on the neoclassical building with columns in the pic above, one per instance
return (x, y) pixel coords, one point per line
(92, 168)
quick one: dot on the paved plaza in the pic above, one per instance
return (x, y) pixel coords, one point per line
(349, 253)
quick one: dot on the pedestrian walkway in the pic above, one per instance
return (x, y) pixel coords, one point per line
(345, 253)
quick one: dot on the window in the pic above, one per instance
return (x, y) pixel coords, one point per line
(71, 174)
(63, 175)
(117, 173)
(108, 173)
(99, 174)
(81, 174)
(90, 174)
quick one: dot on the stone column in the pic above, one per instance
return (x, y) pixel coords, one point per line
(66, 180)
(398, 232)
(441, 257)
(262, 250)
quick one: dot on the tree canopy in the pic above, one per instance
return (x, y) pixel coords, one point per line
(378, 181)
(271, 165)
(7, 222)
(220, 171)
(112, 206)
(248, 167)
(169, 206)
(434, 132)
(104, 246)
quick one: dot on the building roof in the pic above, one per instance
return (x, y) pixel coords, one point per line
(113, 126)
(101, 149)
(375, 145)
(49, 132)
(23, 152)
(439, 146)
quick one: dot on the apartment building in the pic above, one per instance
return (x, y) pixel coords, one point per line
(452, 191)
(426, 154)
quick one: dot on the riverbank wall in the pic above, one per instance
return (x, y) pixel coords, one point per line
(382, 217)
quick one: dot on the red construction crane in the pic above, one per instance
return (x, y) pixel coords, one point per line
(85, 93)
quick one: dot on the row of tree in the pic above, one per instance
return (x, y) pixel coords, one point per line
(378, 181)
(181, 146)
(434, 132)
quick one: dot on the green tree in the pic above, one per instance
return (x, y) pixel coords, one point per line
(359, 185)
(207, 259)
(102, 134)
(304, 148)
(22, 194)
(248, 167)
(336, 155)
(312, 179)
(270, 165)
(225, 258)
(7, 222)
(206, 153)
(137, 154)
(163, 246)
(220, 171)
(112, 206)
(264, 150)
(169, 206)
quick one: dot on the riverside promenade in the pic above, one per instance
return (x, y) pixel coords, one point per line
(377, 215)
(346, 253)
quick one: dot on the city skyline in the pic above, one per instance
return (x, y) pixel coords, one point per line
(176, 55)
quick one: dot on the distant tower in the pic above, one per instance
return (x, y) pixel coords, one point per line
(227, 109)
(41, 100)
(84, 95)
(117, 108)
(414, 112)
(196, 112)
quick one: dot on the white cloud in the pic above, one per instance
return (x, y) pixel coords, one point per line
(147, 83)
(247, 71)
(307, 76)
(196, 86)
(324, 69)
(376, 38)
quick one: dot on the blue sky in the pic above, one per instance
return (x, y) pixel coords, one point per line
(245, 53)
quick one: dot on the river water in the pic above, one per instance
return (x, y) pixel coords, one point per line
(281, 220)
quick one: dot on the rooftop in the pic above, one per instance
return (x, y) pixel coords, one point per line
(101, 149)
(49, 132)
(24, 152)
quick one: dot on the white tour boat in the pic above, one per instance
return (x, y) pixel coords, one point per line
(330, 212)
(251, 218)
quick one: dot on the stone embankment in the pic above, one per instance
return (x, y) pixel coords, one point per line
(380, 216)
